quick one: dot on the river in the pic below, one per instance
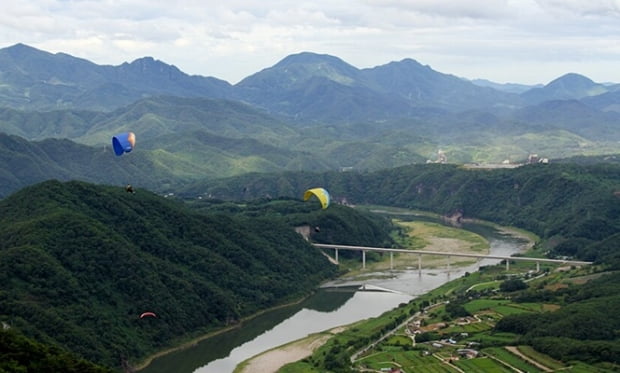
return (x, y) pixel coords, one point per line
(337, 303)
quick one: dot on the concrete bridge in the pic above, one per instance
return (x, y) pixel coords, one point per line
(364, 249)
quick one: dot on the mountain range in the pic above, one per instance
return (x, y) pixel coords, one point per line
(309, 112)
(302, 85)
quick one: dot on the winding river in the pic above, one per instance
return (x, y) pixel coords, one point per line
(339, 302)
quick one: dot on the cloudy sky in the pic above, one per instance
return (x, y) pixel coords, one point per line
(518, 41)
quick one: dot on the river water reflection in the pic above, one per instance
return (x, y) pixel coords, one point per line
(337, 303)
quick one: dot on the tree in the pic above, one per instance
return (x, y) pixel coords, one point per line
(513, 284)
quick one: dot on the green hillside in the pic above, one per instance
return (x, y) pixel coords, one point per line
(79, 263)
(25, 163)
(21, 354)
(575, 208)
(181, 140)
(156, 116)
(172, 161)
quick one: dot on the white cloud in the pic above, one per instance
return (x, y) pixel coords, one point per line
(502, 40)
(477, 9)
(580, 8)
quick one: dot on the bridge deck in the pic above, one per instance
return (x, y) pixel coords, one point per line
(443, 253)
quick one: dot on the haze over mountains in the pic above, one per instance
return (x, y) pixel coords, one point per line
(308, 112)
(34, 79)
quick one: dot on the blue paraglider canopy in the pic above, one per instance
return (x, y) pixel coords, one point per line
(123, 143)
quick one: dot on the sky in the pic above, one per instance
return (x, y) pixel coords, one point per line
(505, 41)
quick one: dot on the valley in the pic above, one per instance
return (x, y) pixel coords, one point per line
(401, 280)
(206, 239)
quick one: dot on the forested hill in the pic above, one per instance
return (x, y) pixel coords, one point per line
(79, 263)
(21, 354)
(25, 163)
(576, 208)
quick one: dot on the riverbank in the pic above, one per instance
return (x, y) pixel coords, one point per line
(194, 341)
(271, 361)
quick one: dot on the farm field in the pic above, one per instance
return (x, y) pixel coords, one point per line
(540, 358)
(503, 307)
(482, 365)
(511, 359)
(409, 361)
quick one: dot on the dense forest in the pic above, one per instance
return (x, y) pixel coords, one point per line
(574, 207)
(21, 354)
(80, 263)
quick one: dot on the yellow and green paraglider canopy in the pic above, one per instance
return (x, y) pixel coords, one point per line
(320, 193)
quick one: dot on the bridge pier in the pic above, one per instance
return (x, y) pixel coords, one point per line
(391, 260)
(363, 259)
(537, 266)
(420, 264)
(507, 265)
(448, 264)
(336, 255)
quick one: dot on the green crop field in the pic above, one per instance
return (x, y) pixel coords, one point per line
(490, 338)
(530, 307)
(409, 361)
(541, 358)
(399, 340)
(481, 365)
(475, 327)
(511, 359)
(478, 305)
(502, 307)
(510, 310)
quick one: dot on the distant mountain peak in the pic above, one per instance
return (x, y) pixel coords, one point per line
(303, 67)
(150, 62)
(572, 80)
(309, 58)
(147, 60)
(566, 87)
(19, 46)
(21, 50)
(411, 61)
